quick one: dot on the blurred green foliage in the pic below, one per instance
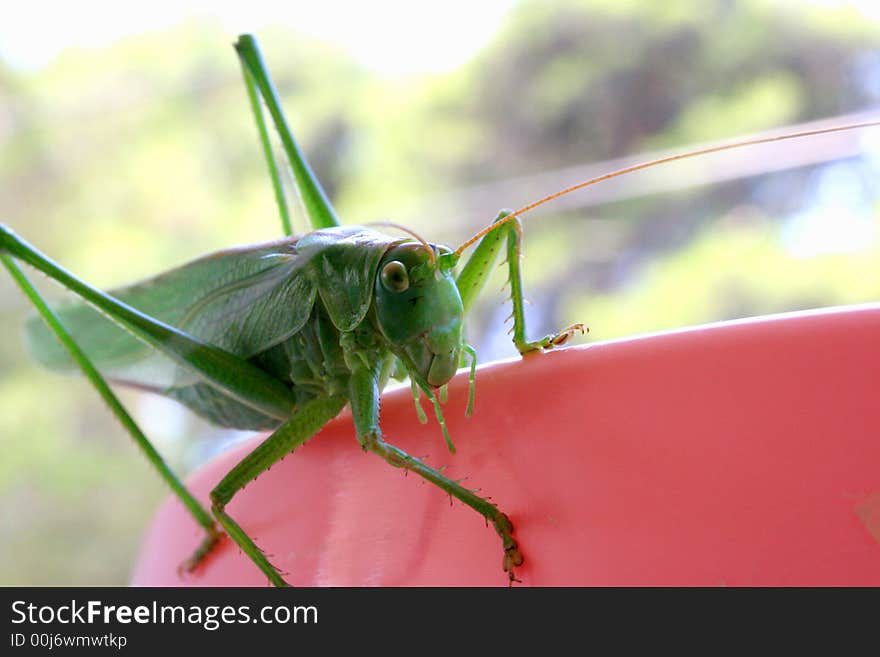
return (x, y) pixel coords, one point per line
(127, 160)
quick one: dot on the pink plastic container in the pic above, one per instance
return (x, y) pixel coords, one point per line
(742, 453)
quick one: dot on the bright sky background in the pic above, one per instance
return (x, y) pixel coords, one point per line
(391, 37)
(430, 36)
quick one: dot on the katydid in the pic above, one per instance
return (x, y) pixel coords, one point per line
(283, 335)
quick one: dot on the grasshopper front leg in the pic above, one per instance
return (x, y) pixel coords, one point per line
(476, 272)
(364, 395)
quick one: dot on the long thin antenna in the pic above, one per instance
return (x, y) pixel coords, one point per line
(418, 237)
(657, 162)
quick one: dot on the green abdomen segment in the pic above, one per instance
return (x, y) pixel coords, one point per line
(310, 362)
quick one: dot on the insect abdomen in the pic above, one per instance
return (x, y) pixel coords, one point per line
(311, 362)
(218, 408)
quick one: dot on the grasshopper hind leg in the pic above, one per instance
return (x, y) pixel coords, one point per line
(195, 508)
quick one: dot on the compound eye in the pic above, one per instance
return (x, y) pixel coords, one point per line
(394, 276)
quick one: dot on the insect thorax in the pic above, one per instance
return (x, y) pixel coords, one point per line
(311, 362)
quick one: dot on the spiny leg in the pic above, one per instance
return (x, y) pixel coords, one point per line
(364, 395)
(514, 262)
(476, 272)
(304, 423)
(198, 512)
(265, 142)
(400, 459)
(312, 195)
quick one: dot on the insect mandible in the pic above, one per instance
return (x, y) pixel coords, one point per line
(283, 335)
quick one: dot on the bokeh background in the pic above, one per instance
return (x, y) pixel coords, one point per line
(127, 147)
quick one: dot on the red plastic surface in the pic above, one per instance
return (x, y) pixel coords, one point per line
(745, 453)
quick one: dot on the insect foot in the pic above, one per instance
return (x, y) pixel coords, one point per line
(211, 540)
(550, 341)
(513, 558)
(562, 337)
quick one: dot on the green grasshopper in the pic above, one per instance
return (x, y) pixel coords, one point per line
(283, 335)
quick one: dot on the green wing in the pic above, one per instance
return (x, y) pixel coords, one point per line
(244, 300)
